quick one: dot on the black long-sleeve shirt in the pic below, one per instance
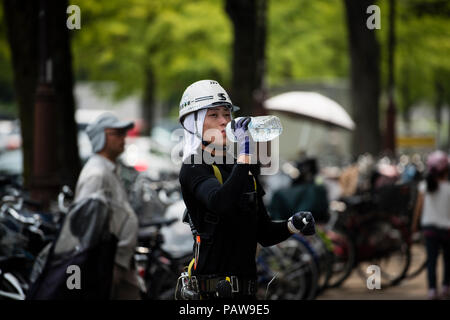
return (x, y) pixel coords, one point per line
(236, 235)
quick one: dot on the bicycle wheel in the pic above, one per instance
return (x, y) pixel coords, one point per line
(392, 256)
(160, 284)
(323, 257)
(162, 276)
(312, 271)
(286, 272)
(344, 256)
(10, 288)
(418, 256)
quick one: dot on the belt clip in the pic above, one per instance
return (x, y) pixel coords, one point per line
(234, 284)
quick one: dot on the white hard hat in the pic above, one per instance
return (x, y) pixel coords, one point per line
(203, 94)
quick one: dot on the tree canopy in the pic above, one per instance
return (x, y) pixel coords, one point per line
(182, 42)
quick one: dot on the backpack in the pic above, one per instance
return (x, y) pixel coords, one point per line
(80, 262)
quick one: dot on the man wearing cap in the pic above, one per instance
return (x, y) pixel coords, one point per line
(98, 176)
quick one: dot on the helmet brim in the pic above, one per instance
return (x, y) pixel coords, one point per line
(232, 107)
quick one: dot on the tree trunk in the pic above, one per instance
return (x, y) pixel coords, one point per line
(406, 116)
(63, 85)
(22, 29)
(406, 98)
(248, 66)
(390, 132)
(148, 100)
(438, 112)
(365, 78)
(448, 128)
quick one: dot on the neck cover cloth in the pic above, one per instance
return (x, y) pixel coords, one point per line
(192, 142)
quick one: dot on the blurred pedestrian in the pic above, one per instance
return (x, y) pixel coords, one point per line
(305, 194)
(349, 180)
(433, 210)
(107, 135)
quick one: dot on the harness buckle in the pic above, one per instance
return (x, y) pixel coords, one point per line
(194, 283)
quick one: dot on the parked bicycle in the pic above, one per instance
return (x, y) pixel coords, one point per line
(286, 271)
(157, 268)
(374, 229)
(23, 234)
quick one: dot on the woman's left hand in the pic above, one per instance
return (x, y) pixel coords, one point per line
(242, 135)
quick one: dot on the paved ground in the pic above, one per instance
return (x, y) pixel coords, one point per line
(355, 288)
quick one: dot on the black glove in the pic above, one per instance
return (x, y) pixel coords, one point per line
(303, 222)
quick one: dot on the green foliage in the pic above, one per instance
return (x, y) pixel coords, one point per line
(7, 105)
(306, 40)
(184, 41)
(422, 50)
(180, 42)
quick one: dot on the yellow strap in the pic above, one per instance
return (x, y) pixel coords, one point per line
(190, 267)
(218, 175)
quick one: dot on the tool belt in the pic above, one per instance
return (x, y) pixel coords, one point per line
(239, 285)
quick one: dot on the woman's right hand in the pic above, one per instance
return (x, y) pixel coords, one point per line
(303, 222)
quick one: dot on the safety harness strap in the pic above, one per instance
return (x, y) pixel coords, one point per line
(209, 225)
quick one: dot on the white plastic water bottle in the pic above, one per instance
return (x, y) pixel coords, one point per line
(262, 128)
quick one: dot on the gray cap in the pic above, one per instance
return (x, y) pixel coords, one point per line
(96, 130)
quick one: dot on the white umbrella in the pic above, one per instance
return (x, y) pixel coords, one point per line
(312, 106)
